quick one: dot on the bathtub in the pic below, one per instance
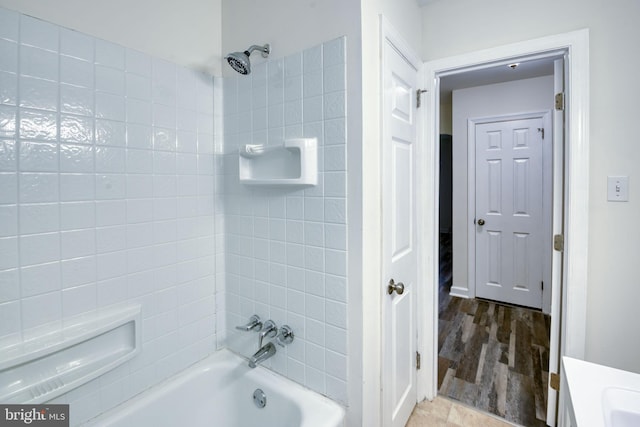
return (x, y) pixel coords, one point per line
(218, 392)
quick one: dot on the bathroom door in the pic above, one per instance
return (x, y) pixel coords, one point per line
(509, 228)
(399, 254)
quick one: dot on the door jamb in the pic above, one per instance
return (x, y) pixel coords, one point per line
(547, 170)
(576, 198)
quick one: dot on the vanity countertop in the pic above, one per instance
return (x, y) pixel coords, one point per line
(590, 389)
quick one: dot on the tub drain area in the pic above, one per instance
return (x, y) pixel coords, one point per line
(259, 398)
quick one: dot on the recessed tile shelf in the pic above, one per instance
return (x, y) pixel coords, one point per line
(54, 363)
(293, 163)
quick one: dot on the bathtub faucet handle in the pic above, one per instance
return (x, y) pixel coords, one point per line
(254, 323)
(285, 336)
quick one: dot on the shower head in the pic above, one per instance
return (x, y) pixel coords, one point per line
(240, 62)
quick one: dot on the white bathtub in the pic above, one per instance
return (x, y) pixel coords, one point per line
(218, 392)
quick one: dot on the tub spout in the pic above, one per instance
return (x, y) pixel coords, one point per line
(263, 354)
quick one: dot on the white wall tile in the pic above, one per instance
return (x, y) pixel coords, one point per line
(38, 33)
(8, 155)
(38, 125)
(78, 271)
(138, 63)
(8, 188)
(334, 52)
(39, 218)
(40, 279)
(76, 158)
(9, 285)
(8, 56)
(312, 59)
(39, 248)
(9, 24)
(76, 129)
(8, 253)
(41, 310)
(334, 105)
(79, 299)
(39, 63)
(77, 243)
(8, 88)
(76, 72)
(8, 220)
(76, 100)
(109, 54)
(10, 319)
(76, 44)
(38, 93)
(110, 80)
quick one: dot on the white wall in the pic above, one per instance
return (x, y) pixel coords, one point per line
(106, 199)
(187, 32)
(483, 101)
(614, 238)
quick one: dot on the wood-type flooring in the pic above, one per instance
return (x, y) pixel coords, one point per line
(491, 356)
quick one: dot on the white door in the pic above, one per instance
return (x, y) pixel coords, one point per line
(399, 253)
(509, 221)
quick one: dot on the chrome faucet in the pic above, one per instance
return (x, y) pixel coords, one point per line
(263, 354)
(269, 330)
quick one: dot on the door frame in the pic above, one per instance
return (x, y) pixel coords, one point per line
(547, 200)
(573, 301)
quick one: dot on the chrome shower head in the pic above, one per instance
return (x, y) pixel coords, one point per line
(240, 62)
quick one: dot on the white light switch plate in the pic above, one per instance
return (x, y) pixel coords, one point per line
(618, 188)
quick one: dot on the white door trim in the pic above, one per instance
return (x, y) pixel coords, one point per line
(576, 198)
(547, 170)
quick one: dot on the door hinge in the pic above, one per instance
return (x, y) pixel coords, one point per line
(554, 381)
(417, 360)
(541, 130)
(542, 285)
(560, 101)
(558, 242)
(419, 93)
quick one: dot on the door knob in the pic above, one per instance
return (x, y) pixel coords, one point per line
(393, 286)
(481, 222)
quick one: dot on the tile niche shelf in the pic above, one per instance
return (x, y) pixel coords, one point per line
(56, 362)
(292, 163)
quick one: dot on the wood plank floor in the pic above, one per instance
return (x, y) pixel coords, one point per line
(492, 357)
(495, 358)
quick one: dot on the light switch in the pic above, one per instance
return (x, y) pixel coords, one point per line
(618, 188)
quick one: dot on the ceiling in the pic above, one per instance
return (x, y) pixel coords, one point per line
(496, 74)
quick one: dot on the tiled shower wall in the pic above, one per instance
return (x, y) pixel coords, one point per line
(106, 198)
(286, 248)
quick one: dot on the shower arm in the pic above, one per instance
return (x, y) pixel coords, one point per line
(263, 49)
